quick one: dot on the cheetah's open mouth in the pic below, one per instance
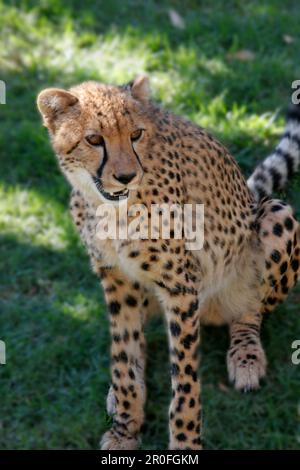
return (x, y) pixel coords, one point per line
(115, 196)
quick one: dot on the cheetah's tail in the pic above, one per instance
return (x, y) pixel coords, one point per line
(276, 169)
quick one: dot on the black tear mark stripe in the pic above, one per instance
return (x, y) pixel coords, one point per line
(138, 159)
(73, 148)
(104, 161)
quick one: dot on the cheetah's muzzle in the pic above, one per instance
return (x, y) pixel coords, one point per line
(115, 196)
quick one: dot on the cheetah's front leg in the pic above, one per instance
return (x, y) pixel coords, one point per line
(181, 307)
(127, 356)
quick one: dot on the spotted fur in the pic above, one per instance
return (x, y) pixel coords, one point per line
(249, 260)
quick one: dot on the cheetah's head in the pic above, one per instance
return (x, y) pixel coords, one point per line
(100, 134)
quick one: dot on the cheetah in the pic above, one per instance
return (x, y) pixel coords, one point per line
(115, 145)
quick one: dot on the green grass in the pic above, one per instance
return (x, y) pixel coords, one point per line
(53, 317)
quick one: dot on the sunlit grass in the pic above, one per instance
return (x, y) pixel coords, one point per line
(31, 218)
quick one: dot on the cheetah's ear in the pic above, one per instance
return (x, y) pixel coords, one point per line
(140, 88)
(54, 101)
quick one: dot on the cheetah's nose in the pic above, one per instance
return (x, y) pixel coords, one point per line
(125, 179)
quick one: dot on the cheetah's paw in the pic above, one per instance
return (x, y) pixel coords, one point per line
(246, 367)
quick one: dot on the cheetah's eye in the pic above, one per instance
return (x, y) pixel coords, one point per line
(136, 135)
(95, 139)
